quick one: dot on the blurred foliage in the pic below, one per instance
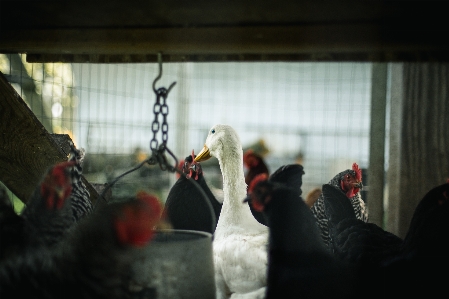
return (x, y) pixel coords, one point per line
(47, 88)
(16, 202)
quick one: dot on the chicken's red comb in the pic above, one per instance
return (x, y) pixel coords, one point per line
(56, 178)
(152, 201)
(258, 178)
(358, 172)
(135, 224)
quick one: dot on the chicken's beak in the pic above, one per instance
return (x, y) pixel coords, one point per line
(203, 155)
(358, 185)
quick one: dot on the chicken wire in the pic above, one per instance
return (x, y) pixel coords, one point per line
(318, 110)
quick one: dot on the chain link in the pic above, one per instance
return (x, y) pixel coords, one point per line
(164, 111)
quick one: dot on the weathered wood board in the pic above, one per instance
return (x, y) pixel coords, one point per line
(27, 149)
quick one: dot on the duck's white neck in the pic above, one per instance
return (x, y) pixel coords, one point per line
(234, 190)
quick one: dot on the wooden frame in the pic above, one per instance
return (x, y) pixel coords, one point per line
(100, 31)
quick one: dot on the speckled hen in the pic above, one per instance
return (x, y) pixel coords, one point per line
(349, 182)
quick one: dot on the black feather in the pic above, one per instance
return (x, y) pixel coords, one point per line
(425, 245)
(299, 263)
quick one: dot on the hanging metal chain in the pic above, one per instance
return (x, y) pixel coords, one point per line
(158, 151)
(161, 93)
(159, 108)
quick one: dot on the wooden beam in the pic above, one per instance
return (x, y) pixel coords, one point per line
(205, 13)
(27, 149)
(368, 56)
(419, 139)
(364, 42)
(376, 169)
(99, 31)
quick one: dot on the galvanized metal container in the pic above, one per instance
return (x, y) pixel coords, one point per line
(178, 264)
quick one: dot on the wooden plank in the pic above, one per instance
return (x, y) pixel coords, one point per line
(419, 139)
(376, 169)
(395, 148)
(116, 31)
(366, 42)
(205, 13)
(218, 40)
(27, 149)
(367, 56)
(425, 135)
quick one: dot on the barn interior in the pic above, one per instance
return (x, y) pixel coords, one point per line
(401, 45)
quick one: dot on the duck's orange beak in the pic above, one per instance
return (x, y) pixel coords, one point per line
(203, 155)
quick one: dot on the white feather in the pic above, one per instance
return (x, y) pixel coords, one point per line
(240, 241)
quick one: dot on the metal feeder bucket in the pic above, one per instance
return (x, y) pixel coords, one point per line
(178, 264)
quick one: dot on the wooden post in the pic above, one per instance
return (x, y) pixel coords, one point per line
(375, 196)
(419, 138)
(27, 149)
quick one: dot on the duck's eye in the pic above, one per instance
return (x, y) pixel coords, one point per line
(213, 131)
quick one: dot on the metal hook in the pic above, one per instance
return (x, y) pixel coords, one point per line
(159, 60)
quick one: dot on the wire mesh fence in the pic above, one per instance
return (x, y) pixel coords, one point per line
(316, 114)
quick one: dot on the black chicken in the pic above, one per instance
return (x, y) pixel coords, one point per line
(361, 242)
(93, 262)
(46, 218)
(289, 175)
(58, 202)
(299, 263)
(186, 207)
(411, 266)
(348, 182)
(353, 239)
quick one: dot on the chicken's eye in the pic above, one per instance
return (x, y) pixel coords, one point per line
(213, 131)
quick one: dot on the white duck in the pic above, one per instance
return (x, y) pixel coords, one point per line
(240, 241)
